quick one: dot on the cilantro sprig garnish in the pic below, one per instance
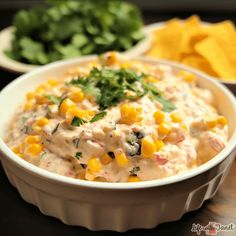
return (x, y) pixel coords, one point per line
(77, 121)
(53, 99)
(134, 171)
(111, 86)
(78, 155)
(98, 116)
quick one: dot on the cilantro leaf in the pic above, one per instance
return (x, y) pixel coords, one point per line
(53, 99)
(155, 94)
(61, 29)
(78, 121)
(111, 86)
(55, 129)
(135, 170)
(78, 155)
(98, 116)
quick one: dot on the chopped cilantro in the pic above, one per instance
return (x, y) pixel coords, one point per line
(135, 170)
(76, 142)
(78, 155)
(111, 86)
(98, 116)
(60, 29)
(24, 119)
(55, 129)
(25, 129)
(43, 154)
(53, 99)
(61, 101)
(78, 121)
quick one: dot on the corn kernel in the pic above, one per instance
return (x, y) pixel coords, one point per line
(130, 114)
(40, 89)
(164, 128)
(16, 149)
(148, 147)
(41, 99)
(185, 127)
(20, 155)
(222, 120)
(37, 129)
(106, 159)
(159, 116)
(28, 106)
(76, 96)
(33, 149)
(42, 122)
(151, 79)
(159, 145)
(66, 105)
(81, 175)
(176, 117)
(89, 175)
(188, 77)
(125, 65)
(121, 158)
(32, 139)
(53, 82)
(89, 113)
(94, 164)
(111, 58)
(75, 111)
(211, 123)
(133, 179)
(30, 95)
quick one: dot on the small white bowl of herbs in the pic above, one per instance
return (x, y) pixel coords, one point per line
(66, 29)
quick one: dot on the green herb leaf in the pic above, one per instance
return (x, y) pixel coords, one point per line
(55, 129)
(60, 29)
(24, 119)
(98, 116)
(156, 94)
(78, 121)
(135, 170)
(61, 101)
(43, 154)
(53, 99)
(78, 155)
(76, 142)
(167, 105)
(111, 86)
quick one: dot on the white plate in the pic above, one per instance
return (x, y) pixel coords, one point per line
(19, 67)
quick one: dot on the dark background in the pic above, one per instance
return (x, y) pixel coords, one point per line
(20, 218)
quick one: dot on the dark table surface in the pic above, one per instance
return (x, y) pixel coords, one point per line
(21, 218)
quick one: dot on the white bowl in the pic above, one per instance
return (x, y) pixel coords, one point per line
(20, 67)
(148, 29)
(113, 206)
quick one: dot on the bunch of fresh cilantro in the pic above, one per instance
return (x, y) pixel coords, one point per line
(67, 28)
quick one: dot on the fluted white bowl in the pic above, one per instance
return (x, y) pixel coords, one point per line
(113, 206)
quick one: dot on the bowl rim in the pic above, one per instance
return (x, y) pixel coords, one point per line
(9, 154)
(148, 29)
(19, 67)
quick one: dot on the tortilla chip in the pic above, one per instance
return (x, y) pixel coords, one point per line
(208, 47)
(164, 46)
(192, 33)
(198, 62)
(217, 58)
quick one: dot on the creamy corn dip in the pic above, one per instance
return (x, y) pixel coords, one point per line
(118, 120)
